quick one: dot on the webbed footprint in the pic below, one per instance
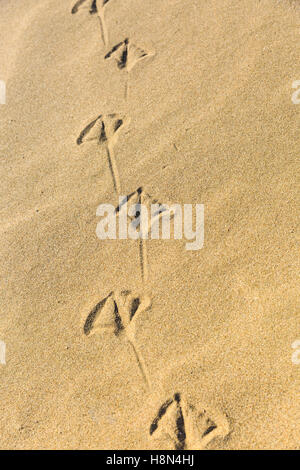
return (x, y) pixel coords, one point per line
(118, 312)
(126, 54)
(92, 6)
(137, 202)
(96, 7)
(186, 425)
(105, 129)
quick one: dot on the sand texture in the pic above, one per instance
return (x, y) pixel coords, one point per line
(142, 344)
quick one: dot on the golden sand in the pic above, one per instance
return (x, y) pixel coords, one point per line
(205, 89)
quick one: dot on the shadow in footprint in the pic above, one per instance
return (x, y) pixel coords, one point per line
(92, 6)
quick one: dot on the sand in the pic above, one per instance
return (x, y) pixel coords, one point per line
(205, 90)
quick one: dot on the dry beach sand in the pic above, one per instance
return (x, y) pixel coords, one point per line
(201, 92)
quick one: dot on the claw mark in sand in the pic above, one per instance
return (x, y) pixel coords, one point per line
(138, 200)
(127, 55)
(106, 129)
(95, 7)
(187, 426)
(118, 312)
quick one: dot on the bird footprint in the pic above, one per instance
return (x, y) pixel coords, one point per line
(95, 7)
(92, 6)
(140, 198)
(118, 312)
(138, 201)
(187, 426)
(127, 55)
(105, 129)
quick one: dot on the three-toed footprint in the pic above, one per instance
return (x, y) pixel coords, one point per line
(186, 425)
(118, 312)
(95, 7)
(105, 129)
(127, 55)
(141, 204)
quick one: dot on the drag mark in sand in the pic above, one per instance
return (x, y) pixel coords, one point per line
(105, 129)
(118, 312)
(186, 426)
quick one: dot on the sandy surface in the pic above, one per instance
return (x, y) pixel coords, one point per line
(211, 122)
